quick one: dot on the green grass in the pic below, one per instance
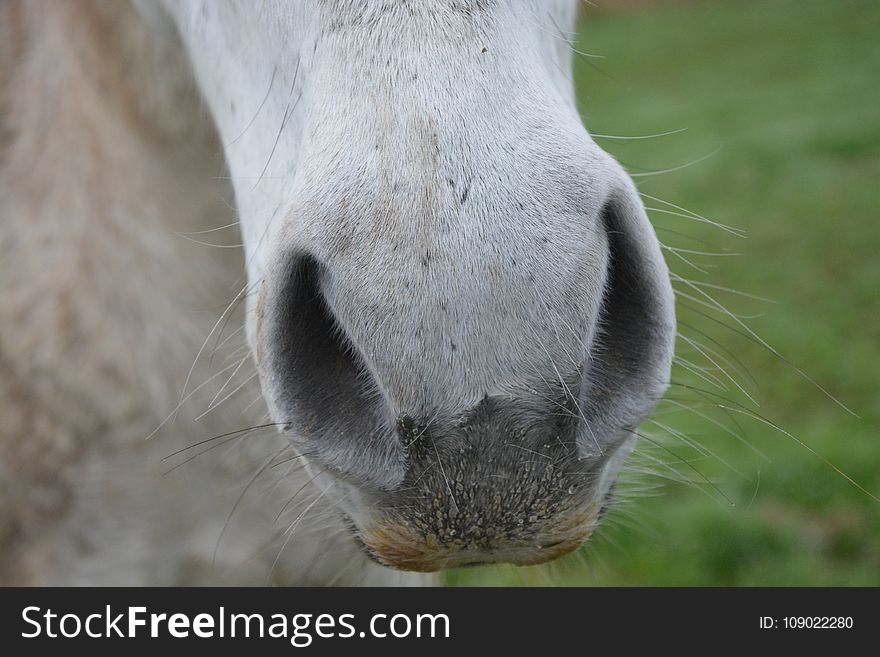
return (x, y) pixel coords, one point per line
(789, 91)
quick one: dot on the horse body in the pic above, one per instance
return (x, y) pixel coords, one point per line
(441, 277)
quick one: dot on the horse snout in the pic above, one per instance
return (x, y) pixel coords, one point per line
(471, 406)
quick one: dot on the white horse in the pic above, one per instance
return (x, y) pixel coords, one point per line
(455, 309)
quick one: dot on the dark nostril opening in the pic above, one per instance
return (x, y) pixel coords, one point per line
(313, 359)
(633, 347)
(319, 381)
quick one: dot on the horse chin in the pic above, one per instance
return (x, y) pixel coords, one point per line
(405, 548)
(419, 543)
(472, 502)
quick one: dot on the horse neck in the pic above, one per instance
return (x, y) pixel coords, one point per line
(106, 154)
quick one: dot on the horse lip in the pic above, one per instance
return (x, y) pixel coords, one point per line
(403, 547)
(428, 563)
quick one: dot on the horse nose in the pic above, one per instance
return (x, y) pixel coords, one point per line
(344, 355)
(470, 407)
(321, 386)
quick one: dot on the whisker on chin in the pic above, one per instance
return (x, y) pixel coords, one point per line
(229, 436)
(292, 530)
(244, 491)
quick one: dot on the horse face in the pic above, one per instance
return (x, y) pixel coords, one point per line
(457, 304)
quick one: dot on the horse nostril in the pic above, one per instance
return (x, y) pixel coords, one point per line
(632, 355)
(308, 349)
(318, 381)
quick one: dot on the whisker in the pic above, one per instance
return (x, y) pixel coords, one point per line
(210, 230)
(685, 260)
(689, 214)
(772, 350)
(287, 112)
(224, 435)
(295, 495)
(705, 355)
(733, 362)
(202, 243)
(697, 446)
(739, 408)
(720, 425)
(443, 472)
(223, 387)
(229, 395)
(705, 376)
(725, 289)
(244, 491)
(638, 137)
(262, 103)
(290, 532)
(207, 338)
(687, 165)
(689, 465)
(185, 399)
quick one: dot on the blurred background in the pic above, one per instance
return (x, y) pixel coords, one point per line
(763, 118)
